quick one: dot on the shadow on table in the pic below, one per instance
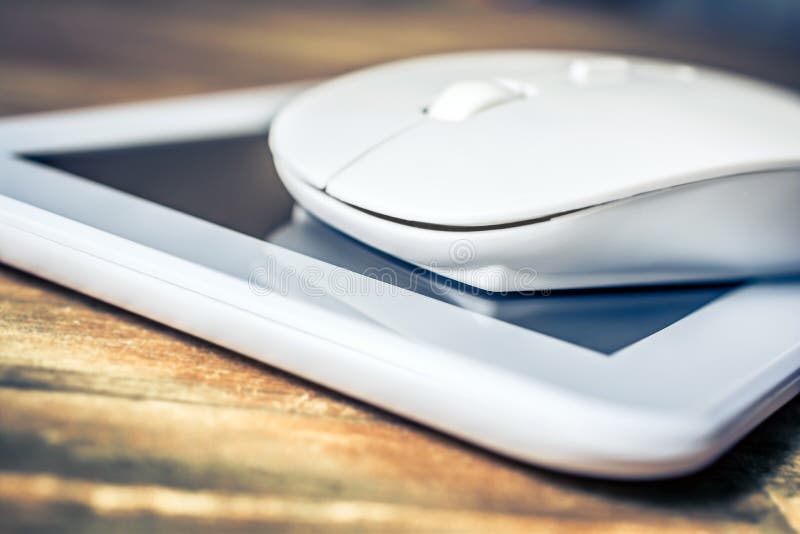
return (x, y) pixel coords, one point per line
(739, 473)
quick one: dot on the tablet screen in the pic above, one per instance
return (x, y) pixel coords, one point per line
(232, 182)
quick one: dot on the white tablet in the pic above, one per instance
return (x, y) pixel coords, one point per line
(173, 210)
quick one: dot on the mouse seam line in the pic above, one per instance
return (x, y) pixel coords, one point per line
(371, 149)
(457, 228)
(548, 217)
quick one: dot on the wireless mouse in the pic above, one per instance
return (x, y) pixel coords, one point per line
(533, 170)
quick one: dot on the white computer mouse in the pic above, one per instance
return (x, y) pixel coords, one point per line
(529, 170)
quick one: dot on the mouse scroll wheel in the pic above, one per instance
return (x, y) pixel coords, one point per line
(461, 100)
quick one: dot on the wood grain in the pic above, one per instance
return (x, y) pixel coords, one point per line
(111, 422)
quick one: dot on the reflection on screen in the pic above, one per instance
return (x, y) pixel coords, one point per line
(232, 182)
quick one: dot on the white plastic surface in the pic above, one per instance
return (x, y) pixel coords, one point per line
(597, 129)
(666, 405)
(710, 231)
(589, 134)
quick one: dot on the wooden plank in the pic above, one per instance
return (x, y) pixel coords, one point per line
(98, 401)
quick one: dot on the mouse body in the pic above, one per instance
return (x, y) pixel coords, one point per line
(533, 170)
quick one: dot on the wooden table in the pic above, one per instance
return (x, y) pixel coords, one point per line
(110, 421)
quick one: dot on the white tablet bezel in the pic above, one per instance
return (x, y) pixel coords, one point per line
(662, 406)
